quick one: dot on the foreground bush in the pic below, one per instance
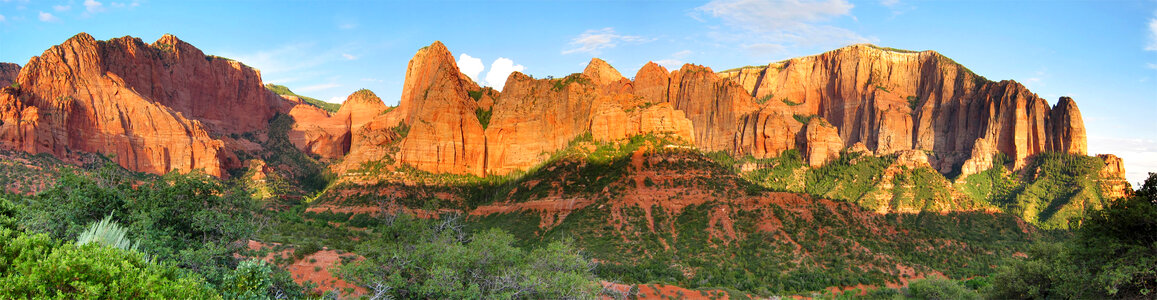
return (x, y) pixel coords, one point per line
(37, 267)
(436, 259)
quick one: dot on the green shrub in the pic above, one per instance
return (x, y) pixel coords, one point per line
(938, 288)
(107, 233)
(39, 267)
(483, 116)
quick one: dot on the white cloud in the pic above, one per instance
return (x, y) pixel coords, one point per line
(1152, 35)
(889, 3)
(336, 99)
(1149, 65)
(47, 17)
(682, 54)
(92, 6)
(317, 87)
(471, 66)
(781, 24)
(592, 41)
(2, 19)
(670, 64)
(499, 70)
(1139, 154)
(349, 56)
(61, 7)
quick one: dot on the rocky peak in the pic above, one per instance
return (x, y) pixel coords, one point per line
(651, 83)
(1068, 128)
(601, 72)
(8, 73)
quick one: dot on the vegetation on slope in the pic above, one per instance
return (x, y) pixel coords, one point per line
(283, 90)
(1053, 191)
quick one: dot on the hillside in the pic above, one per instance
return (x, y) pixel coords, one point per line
(861, 167)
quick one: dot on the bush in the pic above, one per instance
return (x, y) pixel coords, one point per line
(938, 288)
(38, 267)
(416, 258)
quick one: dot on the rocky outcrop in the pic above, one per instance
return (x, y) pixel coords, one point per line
(8, 73)
(317, 132)
(113, 97)
(822, 143)
(225, 95)
(1113, 182)
(893, 100)
(601, 72)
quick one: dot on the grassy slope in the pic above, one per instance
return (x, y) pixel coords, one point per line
(283, 90)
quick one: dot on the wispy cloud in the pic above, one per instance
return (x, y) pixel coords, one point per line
(471, 66)
(897, 7)
(778, 25)
(47, 17)
(61, 7)
(1152, 46)
(92, 6)
(500, 70)
(348, 56)
(670, 64)
(676, 60)
(592, 41)
(2, 19)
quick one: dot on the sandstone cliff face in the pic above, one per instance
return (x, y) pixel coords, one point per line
(895, 100)
(90, 96)
(331, 136)
(445, 135)
(8, 73)
(1113, 182)
(225, 95)
(525, 124)
(823, 143)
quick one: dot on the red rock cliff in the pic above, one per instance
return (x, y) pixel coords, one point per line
(83, 96)
(151, 107)
(893, 100)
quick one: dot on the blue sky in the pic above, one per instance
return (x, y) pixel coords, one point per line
(1101, 53)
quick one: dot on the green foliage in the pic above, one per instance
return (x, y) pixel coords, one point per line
(476, 95)
(764, 99)
(38, 267)
(416, 258)
(256, 279)
(283, 90)
(938, 288)
(893, 49)
(913, 102)
(791, 103)
(190, 220)
(849, 178)
(1112, 256)
(107, 233)
(560, 84)
(804, 118)
(75, 200)
(280, 153)
(483, 116)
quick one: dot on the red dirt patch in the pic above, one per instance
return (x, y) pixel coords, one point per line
(315, 268)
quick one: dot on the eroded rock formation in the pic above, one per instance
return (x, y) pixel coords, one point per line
(132, 102)
(894, 100)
